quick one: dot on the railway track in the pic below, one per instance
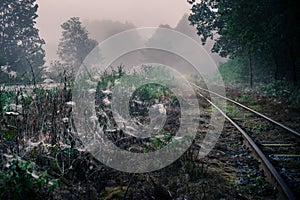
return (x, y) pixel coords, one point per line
(277, 147)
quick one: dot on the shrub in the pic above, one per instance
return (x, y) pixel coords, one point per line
(20, 180)
(281, 89)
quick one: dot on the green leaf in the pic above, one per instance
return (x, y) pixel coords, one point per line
(9, 134)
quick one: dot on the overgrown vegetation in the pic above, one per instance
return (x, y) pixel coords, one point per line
(281, 90)
(33, 126)
(235, 75)
(149, 96)
(41, 155)
(236, 71)
(20, 179)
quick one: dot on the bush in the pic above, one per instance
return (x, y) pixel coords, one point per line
(20, 180)
(281, 89)
(4, 99)
(234, 71)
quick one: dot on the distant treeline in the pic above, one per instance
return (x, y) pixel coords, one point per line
(262, 34)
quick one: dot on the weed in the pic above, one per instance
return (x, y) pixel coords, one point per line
(244, 98)
(20, 180)
(261, 127)
(281, 89)
(232, 110)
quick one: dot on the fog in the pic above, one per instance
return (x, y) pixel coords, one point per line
(103, 29)
(105, 18)
(141, 13)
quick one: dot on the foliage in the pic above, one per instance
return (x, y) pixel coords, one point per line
(257, 186)
(34, 114)
(19, 179)
(149, 92)
(4, 99)
(261, 127)
(109, 78)
(142, 100)
(46, 118)
(74, 46)
(236, 71)
(261, 29)
(233, 71)
(281, 89)
(20, 44)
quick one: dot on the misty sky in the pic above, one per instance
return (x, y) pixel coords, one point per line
(142, 13)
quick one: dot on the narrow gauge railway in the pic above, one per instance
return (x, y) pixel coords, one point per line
(277, 148)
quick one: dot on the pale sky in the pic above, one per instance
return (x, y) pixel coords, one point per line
(142, 13)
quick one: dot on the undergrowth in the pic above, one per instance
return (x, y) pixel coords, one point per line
(281, 89)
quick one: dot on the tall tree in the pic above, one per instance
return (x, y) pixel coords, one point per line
(20, 44)
(252, 28)
(75, 44)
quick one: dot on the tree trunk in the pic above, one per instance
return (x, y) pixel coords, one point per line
(250, 70)
(294, 65)
(276, 67)
(32, 72)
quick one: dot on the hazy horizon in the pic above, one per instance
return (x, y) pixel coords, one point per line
(55, 12)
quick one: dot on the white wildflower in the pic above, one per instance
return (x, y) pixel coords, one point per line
(159, 136)
(8, 156)
(48, 81)
(12, 74)
(92, 91)
(19, 108)
(117, 82)
(96, 77)
(94, 118)
(10, 106)
(71, 103)
(160, 107)
(44, 76)
(34, 144)
(106, 101)
(137, 102)
(4, 68)
(12, 113)
(65, 120)
(106, 92)
(14, 107)
(50, 183)
(24, 95)
(34, 175)
(178, 138)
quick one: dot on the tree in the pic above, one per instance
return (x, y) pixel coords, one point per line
(230, 24)
(20, 44)
(284, 37)
(252, 28)
(74, 45)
